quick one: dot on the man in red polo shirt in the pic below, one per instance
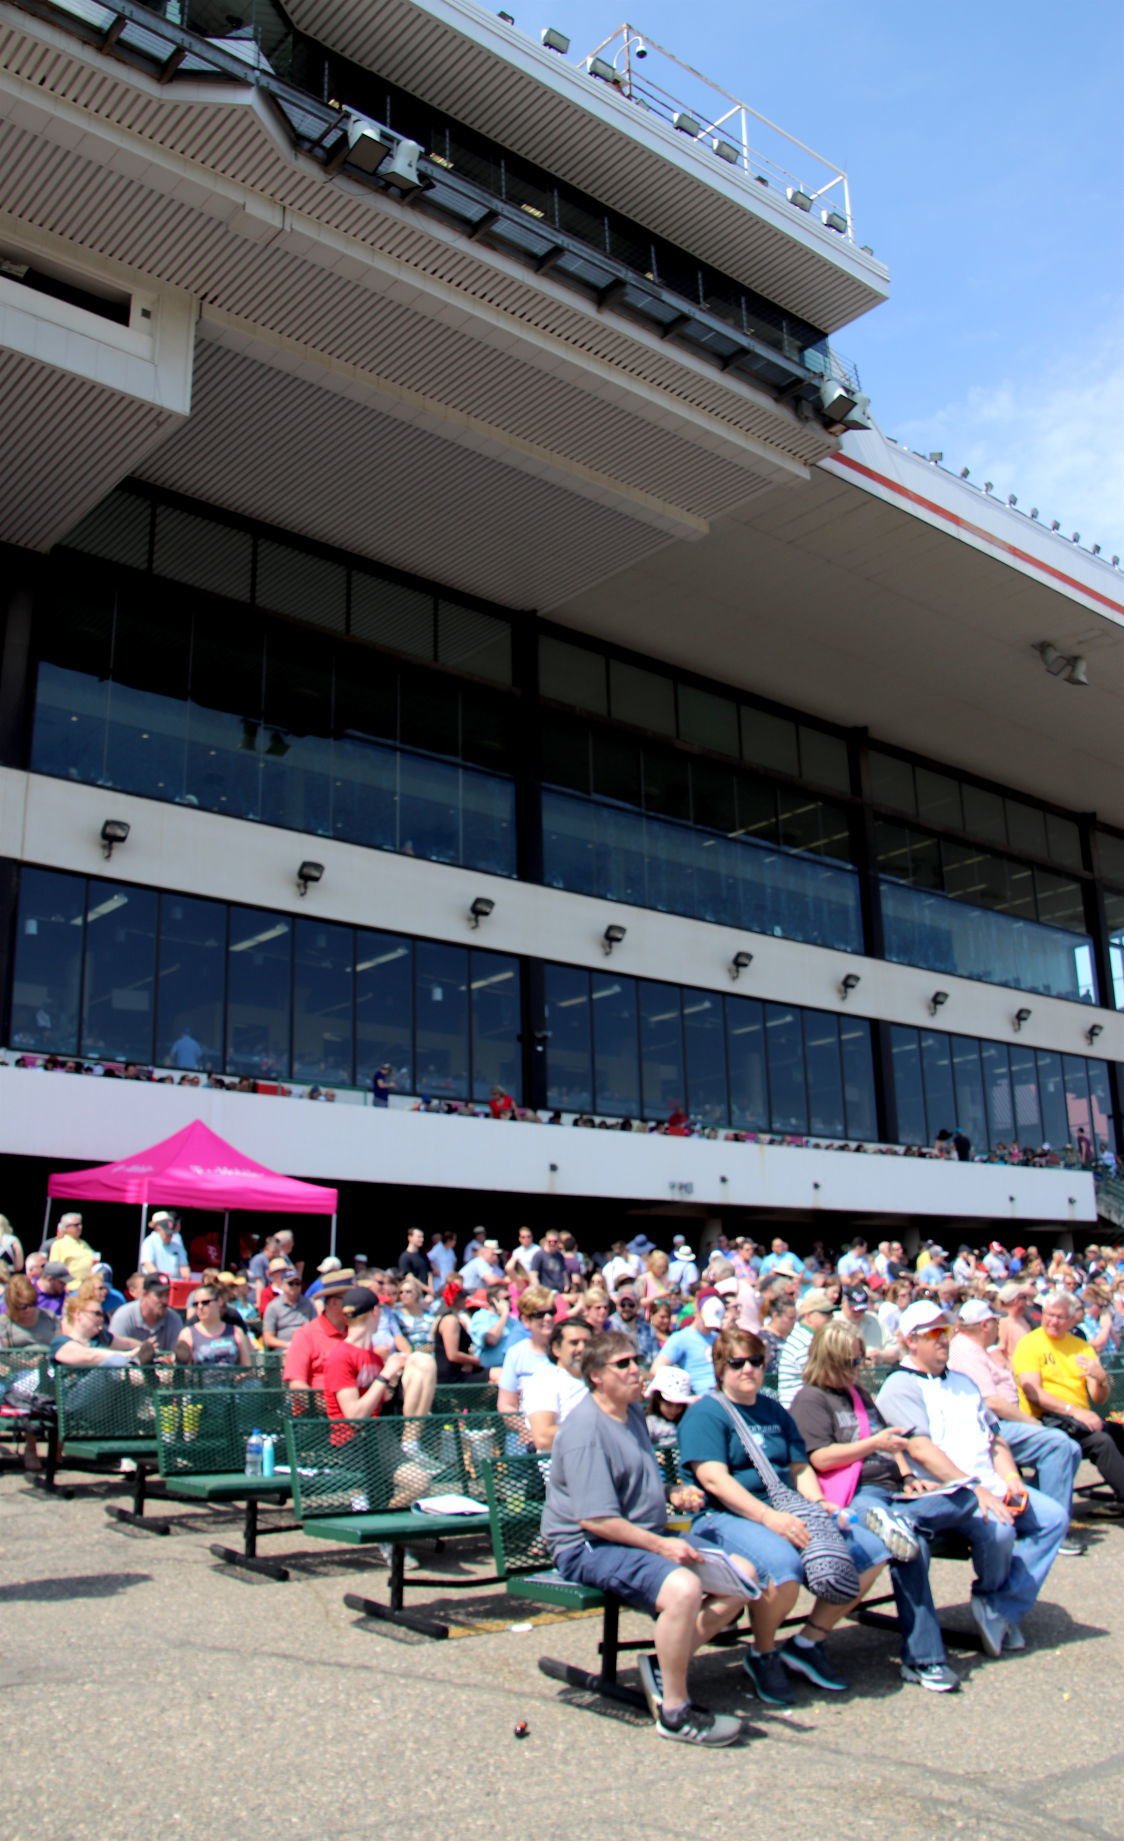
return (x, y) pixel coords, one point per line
(310, 1347)
(359, 1380)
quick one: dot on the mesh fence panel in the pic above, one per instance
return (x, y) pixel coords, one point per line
(101, 1403)
(201, 1432)
(23, 1376)
(383, 1465)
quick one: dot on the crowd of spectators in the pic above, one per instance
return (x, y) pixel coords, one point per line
(949, 1145)
(895, 1398)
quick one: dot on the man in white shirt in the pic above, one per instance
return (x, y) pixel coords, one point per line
(554, 1390)
(625, 1267)
(683, 1273)
(974, 1352)
(523, 1255)
(163, 1250)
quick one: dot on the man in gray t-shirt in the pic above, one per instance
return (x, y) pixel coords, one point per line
(286, 1314)
(149, 1315)
(602, 1466)
(604, 1521)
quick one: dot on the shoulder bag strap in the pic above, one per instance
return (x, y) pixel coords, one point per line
(753, 1449)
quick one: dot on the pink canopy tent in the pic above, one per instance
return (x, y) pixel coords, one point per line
(195, 1168)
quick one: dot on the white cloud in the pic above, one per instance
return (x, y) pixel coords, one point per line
(1053, 433)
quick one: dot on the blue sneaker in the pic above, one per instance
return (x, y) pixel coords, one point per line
(765, 1674)
(810, 1660)
(991, 1626)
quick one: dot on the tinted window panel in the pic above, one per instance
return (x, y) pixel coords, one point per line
(384, 1007)
(745, 1038)
(661, 1050)
(936, 1069)
(569, 1049)
(703, 1034)
(784, 1048)
(442, 1020)
(118, 992)
(48, 962)
(971, 1113)
(323, 1048)
(909, 1093)
(191, 989)
(826, 1116)
(494, 988)
(616, 1060)
(858, 1079)
(259, 987)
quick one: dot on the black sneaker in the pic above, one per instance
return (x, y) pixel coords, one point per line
(936, 1676)
(1073, 1547)
(697, 1726)
(767, 1678)
(810, 1660)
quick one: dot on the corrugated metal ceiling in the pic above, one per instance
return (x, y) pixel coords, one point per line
(482, 87)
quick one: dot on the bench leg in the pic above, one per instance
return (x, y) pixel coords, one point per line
(394, 1611)
(136, 1517)
(606, 1682)
(252, 1563)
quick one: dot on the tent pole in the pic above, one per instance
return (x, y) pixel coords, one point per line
(143, 1228)
(332, 1242)
(225, 1231)
(46, 1221)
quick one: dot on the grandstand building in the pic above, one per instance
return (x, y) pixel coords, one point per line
(461, 616)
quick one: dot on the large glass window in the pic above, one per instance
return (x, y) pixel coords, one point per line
(997, 1092)
(1024, 1096)
(858, 1078)
(784, 1052)
(191, 986)
(1076, 1096)
(707, 1097)
(47, 985)
(118, 987)
(967, 1078)
(494, 989)
(259, 990)
(569, 1049)
(749, 1086)
(909, 1090)
(1051, 1096)
(616, 1059)
(936, 1070)
(661, 1050)
(826, 1112)
(384, 1007)
(442, 1020)
(323, 1047)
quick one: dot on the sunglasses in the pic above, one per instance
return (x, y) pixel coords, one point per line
(936, 1335)
(737, 1362)
(625, 1361)
(536, 1316)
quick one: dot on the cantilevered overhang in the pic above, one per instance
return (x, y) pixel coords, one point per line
(494, 78)
(891, 595)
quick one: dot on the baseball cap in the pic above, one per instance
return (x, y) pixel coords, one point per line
(286, 1274)
(858, 1295)
(712, 1314)
(1014, 1288)
(54, 1268)
(359, 1301)
(673, 1383)
(922, 1316)
(977, 1310)
(156, 1281)
(726, 1287)
(816, 1299)
(331, 1264)
(160, 1215)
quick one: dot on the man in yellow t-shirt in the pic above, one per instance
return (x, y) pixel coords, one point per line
(70, 1250)
(1062, 1383)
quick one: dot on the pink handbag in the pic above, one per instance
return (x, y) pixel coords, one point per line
(840, 1484)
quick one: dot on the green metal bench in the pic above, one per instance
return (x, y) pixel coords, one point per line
(24, 1383)
(354, 1483)
(106, 1415)
(201, 1449)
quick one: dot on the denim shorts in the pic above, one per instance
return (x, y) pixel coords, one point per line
(630, 1573)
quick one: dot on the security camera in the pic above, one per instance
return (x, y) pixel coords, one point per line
(641, 49)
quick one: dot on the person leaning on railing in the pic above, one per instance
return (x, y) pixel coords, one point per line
(84, 1341)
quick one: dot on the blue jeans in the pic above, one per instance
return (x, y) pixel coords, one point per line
(1054, 1455)
(922, 1641)
(1011, 1560)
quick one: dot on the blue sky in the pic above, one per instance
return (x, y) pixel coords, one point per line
(985, 148)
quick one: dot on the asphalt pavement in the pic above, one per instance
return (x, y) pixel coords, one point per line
(146, 1688)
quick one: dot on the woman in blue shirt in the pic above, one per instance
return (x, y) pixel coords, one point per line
(738, 1515)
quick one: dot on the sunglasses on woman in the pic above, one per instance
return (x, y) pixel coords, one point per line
(737, 1362)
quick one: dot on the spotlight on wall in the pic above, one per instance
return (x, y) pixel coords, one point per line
(114, 831)
(308, 872)
(848, 983)
(988, 486)
(964, 472)
(936, 456)
(1034, 513)
(1094, 1030)
(687, 124)
(740, 963)
(836, 403)
(1070, 666)
(612, 936)
(1055, 525)
(1020, 1017)
(602, 70)
(938, 999)
(799, 197)
(1012, 500)
(554, 40)
(480, 910)
(727, 151)
(834, 220)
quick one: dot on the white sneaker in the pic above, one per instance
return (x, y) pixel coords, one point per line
(894, 1531)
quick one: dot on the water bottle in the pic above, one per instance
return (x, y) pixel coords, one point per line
(448, 1446)
(268, 1455)
(254, 1454)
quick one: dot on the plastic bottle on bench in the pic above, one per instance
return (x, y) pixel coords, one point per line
(268, 1455)
(254, 1454)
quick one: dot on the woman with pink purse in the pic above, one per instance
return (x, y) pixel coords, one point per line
(861, 1467)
